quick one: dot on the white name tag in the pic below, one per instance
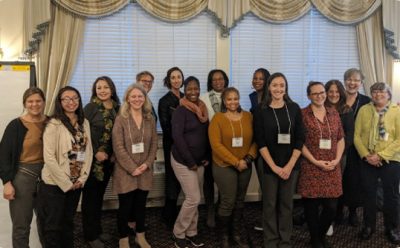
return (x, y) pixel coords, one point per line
(284, 138)
(138, 148)
(237, 142)
(325, 144)
(80, 156)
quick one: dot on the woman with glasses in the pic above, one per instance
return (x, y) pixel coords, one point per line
(320, 179)
(377, 140)
(68, 153)
(352, 192)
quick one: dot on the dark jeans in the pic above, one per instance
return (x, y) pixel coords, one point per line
(56, 211)
(24, 204)
(319, 221)
(389, 173)
(92, 203)
(232, 186)
(133, 202)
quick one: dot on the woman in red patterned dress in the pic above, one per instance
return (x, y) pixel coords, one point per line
(320, 181)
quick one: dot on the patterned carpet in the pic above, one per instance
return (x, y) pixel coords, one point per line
(158, 236)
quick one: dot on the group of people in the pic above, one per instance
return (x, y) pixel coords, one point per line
(332, 152)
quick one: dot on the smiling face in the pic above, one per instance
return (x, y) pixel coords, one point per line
(218, 82)
(380, 97)
(277, 88)
(147, 82)
(231, 101)
(34, 105)
(103, 90)
(69, 101)
(176, 80)
(192, 91)
(333, 94)
(258, 81)
(317, 95)
(136, 99)
(353, 83)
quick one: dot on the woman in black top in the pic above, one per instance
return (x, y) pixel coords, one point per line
(166, 106)
(279, 134)
(21, 156)
(100, 112)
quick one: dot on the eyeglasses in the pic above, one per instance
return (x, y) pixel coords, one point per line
(349, 80)
(375, 92)
(317, 93)
(146, 81)
(68, 100)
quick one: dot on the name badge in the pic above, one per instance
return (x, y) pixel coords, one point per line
(80, 156)
(284, 138)
(138, 148)
(325, 144)
(237, 142)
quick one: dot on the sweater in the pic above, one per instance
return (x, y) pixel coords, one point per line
(220, 134)
(367, 124)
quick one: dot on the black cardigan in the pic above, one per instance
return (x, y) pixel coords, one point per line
(11, 148)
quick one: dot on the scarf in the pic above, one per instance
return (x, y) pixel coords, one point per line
(215, 99)
(200, 110)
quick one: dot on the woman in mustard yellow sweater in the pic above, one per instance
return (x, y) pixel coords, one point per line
(233, 150)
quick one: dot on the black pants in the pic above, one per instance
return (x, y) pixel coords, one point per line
(389, 173)
(92, 203)
(319, 220)
(56, 211)
(208, 185)
(133, 202)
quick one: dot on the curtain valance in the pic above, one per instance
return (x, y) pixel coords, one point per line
(92, 8)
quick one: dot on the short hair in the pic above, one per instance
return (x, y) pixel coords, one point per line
(350, 72)
(144, 73)
(311, 84)
(266, 96)
(110, 83)
(32, 91)
(167, 79)
(210, 76)
(224, 94)
(190, 79)
(381, 86)
(146, 108)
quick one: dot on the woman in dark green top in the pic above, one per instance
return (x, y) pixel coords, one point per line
(100, 112)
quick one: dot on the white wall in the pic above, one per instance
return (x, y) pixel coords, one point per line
(11, 25)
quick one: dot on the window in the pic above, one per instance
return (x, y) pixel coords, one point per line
(311, 48)
(131, 41)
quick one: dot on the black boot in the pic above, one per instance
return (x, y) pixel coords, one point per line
(239, 233)
(224, 224)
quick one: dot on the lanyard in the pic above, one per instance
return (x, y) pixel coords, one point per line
(319, 126)
(277, 121)
(129, 128)
(241, 128)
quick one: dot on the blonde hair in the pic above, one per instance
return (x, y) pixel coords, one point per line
(125, 107)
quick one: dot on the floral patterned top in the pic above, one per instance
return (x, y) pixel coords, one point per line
(101, 124)
(313, 181)
(75, 155)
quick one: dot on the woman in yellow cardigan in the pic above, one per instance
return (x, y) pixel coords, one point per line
(233, 150)
(377, 140)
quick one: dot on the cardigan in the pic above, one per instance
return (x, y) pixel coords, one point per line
(190, 138)
(367, 122)
(125, 133)
(220, 133)
(11, 148)
(57, 143)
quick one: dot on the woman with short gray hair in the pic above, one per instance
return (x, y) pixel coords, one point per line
(377, 140)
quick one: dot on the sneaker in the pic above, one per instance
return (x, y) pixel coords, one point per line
(181, 243)
(194, 241)
(330, 231)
